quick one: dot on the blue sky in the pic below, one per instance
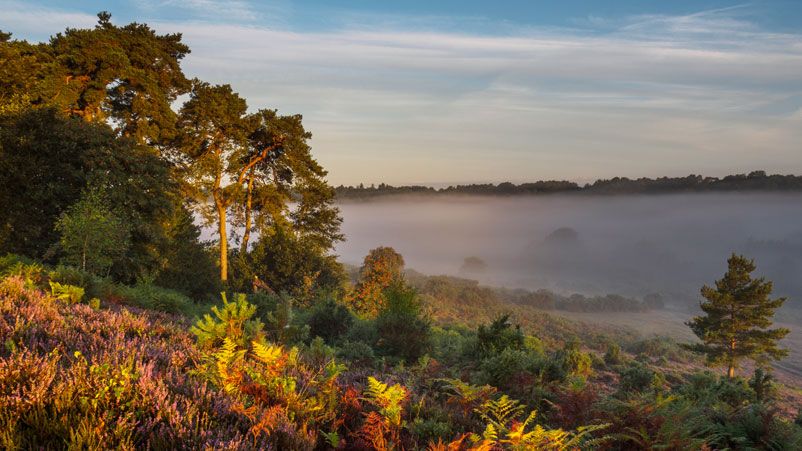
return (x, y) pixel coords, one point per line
(469, 91)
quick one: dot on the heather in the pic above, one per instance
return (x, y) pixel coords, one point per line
(122, 328)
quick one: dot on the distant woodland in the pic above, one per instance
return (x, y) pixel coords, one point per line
(754, 181)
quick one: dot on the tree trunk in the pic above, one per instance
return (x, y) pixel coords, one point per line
(246, 236)
(731, 366)
(221, 229)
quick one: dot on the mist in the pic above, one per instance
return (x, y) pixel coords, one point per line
(629, 245)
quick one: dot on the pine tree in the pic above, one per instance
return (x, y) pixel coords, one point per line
(737, 320)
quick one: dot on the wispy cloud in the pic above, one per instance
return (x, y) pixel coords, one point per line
(399, 102)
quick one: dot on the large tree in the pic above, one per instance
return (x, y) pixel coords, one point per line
(254, 170)
(47, 161)
(126, 75)
(283, 184)
(212, 141)
(737, 320)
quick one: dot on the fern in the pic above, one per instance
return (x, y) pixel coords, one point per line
(388, 399)
(233, 321)
(68, 293)
(501, 411)
(227, 362)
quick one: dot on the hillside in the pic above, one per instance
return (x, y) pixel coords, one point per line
(117, 375)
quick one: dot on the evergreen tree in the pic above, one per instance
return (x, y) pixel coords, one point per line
(127, 76)
(737, 320)
(212, 146)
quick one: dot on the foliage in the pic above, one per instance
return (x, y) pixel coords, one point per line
(147, 295)
(252, 167)
(737, 318)
(91, 379)
(67, 293)
(574, 360)
(383, 426)
(329, 320)
(498, 336)
(187, 264)
(381, 268)
(233, 322)
(636, 378)
(284, 261)
(756, 180)
(281, 325)
(503, 427)
(613, 354)
(92, 236)
(36, 144)
(402, 330)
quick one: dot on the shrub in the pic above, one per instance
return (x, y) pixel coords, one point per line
(511, 369)
(15, 265)
(499, 335)
(357, 352)
(401, 329)
(329, 320)
(574, 360)
(73, 276)
(152, 297)
(234, 321)
(636, 378)
(613, 355)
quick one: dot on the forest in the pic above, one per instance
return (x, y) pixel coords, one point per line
(122, 329)
(753, 181)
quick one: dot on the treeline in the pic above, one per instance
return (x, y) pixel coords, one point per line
(754, 181)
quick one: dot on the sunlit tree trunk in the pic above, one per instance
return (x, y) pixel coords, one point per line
(221, 227)
(246, 236)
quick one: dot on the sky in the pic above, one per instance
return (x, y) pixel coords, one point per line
(441, 92)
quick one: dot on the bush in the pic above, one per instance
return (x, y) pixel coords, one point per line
(329, 320)
(574, 360)
(499, 335)
(152, 297)
(613, 355)
(402, 331)
(636, 378)
(510, 369)
(73, 276)
(357, 352)
(16, 265)
(68, 293)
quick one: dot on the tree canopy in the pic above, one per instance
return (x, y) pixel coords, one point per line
(127, 75)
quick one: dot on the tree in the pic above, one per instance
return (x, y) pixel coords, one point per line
(278, 170)
(92, 236)
(473, 265)
(128, 76)
(382, 268)
(212, 147)
(188, 264)
(47, 161)
(737, 318)
(284, 261)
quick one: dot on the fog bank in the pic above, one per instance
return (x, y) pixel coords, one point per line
(631, 245)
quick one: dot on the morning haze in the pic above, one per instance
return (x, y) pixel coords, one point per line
(315, 225)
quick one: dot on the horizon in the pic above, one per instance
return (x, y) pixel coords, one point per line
(449, 93)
